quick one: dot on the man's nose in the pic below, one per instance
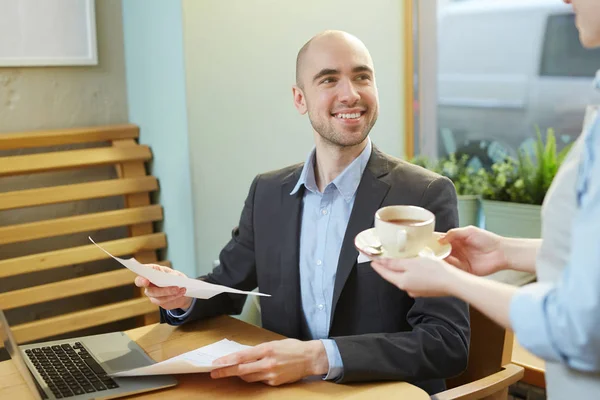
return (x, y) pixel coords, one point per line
(348, 93)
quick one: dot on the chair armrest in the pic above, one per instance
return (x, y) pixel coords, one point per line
(534, 366)
(483, 387)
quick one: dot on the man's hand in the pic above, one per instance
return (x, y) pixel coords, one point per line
(170, 297)
(276, 363)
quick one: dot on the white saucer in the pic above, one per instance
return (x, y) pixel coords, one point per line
(368, 244)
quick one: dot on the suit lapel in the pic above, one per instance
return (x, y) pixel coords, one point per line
(291, 213)
(369, 196)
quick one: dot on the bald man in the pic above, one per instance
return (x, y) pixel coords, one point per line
(295, 241)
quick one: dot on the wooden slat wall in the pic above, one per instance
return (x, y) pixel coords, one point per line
(80, 223)
(68, 288)
(82, 319)
(81, 254)
(33, 163)
(135, 170)
(25, 140)
(138, 215)
(75, 192)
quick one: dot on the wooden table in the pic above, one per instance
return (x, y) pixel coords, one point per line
(534, 366)
(162, 341)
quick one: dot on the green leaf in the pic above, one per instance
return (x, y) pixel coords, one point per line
(522, 180)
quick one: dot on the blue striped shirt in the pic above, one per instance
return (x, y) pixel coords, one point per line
(325, 217)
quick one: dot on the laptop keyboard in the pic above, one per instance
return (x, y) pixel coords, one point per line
(69, 370)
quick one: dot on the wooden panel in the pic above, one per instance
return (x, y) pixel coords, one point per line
(59, 160)
(134, 170)
(81, 254)
(535, 367)
(507, 347)
(492, 387)
(81, 191)
(68, 288)
(79, 223)
(486, 350)
(24, 140)
(83, 319)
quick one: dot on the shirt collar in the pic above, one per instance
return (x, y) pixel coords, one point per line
(346, 183)
(597, 80)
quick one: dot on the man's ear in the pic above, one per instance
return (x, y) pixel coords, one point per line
(299, 99)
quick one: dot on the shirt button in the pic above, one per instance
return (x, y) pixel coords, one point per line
(319, 262)
(324, 211)
(321, 307)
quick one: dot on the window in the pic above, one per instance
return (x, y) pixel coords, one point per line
(563, 54)
(489, 91)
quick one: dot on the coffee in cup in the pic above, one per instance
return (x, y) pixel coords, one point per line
(404, 230)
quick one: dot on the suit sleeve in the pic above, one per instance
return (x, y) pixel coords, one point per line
(440, 198)
(237, 269)
(437, 346)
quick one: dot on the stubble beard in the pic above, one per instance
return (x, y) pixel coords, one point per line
(326, 130)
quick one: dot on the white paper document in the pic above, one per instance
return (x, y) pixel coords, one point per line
(199, 360)
(194, 287)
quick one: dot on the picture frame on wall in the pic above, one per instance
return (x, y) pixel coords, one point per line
(47, 33)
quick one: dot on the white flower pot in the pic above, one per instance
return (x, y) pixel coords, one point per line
(468, 210)
(512, 219)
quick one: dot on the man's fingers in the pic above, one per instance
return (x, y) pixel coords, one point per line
(257, 367)
(142, 282)
(155, 291)
(164, 299)
(244, 356)
(166, 269)
(257, 377)
(180, 302)
(159, 267)
(168, 298)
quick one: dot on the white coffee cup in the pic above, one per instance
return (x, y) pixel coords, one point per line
(404, 230)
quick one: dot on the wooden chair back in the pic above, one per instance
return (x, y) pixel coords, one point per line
(490, 371)
(489, 351)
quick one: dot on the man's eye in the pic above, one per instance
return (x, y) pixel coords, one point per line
(364, 77)
(328, 80)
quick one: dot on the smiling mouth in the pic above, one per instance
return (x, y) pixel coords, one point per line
(348, 116)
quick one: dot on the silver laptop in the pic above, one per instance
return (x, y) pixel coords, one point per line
(80, 368)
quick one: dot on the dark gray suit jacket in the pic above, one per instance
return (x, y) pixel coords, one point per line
(381, 332)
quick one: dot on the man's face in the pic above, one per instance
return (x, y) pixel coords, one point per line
(338, 90)
(587, 18)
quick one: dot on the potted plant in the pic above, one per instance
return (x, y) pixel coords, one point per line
(469, 184)
(515, 189)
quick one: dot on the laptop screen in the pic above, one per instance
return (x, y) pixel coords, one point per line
(11, 346)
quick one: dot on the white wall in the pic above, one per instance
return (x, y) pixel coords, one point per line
(240, 60)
